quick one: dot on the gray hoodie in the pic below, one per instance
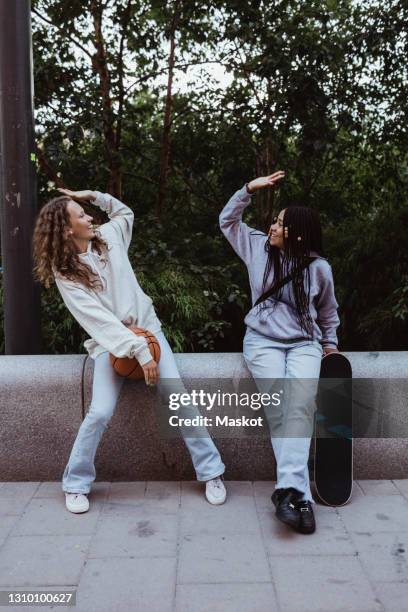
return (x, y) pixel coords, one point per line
(280, 324)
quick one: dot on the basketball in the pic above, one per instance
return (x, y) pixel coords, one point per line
(131, 368)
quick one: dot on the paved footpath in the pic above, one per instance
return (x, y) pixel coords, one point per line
(159, 546)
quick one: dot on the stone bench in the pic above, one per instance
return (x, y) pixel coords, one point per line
(44, 398)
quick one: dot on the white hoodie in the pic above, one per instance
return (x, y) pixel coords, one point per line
(106, 314)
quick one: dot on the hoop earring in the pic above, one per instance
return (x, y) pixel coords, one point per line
(286, 231)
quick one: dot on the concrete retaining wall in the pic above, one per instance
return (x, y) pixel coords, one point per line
(41, 409)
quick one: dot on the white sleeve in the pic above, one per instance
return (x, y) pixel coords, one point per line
(121, 216)
(101, 324)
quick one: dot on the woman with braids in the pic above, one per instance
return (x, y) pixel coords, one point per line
(291, 324)
(92, 271)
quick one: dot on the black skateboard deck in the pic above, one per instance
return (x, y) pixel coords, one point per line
(333, 456)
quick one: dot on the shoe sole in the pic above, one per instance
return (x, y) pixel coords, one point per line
(294, 524)
(77, 511)
(217, 502)
(306, 531)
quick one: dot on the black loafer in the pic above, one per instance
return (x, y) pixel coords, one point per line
(286, 508)
(307, 519)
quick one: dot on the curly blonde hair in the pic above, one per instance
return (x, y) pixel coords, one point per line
(54, 254)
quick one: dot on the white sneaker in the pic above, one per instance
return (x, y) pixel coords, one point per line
(215, 491)
(76, 502)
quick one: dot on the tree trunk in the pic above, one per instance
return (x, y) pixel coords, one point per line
(165, 148)
(100, 66)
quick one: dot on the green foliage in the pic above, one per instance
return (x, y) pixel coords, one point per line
(61, 334)
(317, 89)
(184, 305)
(188, 291)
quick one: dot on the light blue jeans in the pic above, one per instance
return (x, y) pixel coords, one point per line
(291, 423)
(80, 470)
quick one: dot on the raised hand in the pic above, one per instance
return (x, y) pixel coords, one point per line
(265, 181)
(80, 196)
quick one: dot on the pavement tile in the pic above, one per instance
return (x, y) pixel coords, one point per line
(356, 491)
(19, 490)
(126, 492)
(375, 513)
(234, 557)
(134, 584)
(222, 558)
(230, 597)
(402, 486)
(99, 490)
(49, 488)
(12, 506)
(378, 487)
(46, 560)
(383, 555)
(49, 516)
(393, 596)
(142, 530)
(238, 513)
(311, 583)
(165, 495)
(330, 537)
(6, 524)
(263, 490)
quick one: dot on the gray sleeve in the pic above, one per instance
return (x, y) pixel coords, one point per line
(326, 306)
(234, 229)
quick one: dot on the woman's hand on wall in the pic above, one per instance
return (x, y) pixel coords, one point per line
(265, 181)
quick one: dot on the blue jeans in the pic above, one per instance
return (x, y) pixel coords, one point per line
(291, 423)
(80, 470)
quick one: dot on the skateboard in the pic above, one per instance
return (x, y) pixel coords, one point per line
(333, 451)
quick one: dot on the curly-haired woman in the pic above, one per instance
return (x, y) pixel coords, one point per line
(92, 271)
(291, 324)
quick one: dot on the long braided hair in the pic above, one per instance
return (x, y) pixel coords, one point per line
(54, 254)
(303, 222)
